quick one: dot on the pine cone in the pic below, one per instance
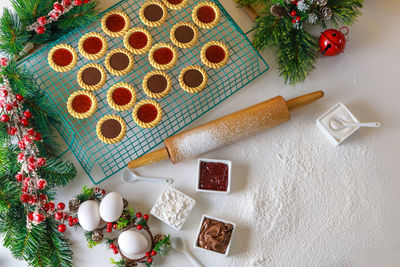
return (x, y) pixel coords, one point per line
(278, 11)
(74, 204)
(125, 203)
(322, 2)
(158, 238)
(125, 215)
(326, 13)
(97, 236)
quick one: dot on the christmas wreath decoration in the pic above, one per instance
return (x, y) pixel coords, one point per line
(283, 24)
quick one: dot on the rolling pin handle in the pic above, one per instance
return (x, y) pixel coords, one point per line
(304, 100)
(149, 158)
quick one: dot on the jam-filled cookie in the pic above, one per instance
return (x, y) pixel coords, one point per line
(91, 77)
(121, 96)
(147, 113)
(119, 62)
(214, 54)
(163, 56)
(153, 13)
(81, 104)
(193, 79)
(62, 58)
(206, 15)
(175, 4)
(157, 84)
(92, 45)
(138, 41)
(111, 129)
(184, 34)
(115, 23)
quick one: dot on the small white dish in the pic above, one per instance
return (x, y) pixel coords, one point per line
(186, 209)
(198, 232)
(340, 111)
(227, 162)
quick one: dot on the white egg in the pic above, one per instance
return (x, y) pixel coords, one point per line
(111, 207)
(132, 243)
(88, 215)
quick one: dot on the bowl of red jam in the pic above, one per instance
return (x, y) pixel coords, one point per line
(214, 176)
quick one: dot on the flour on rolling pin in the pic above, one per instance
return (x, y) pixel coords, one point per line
(227, 130)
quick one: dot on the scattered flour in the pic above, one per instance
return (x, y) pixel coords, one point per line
(305, 202)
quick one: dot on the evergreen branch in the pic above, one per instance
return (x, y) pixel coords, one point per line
(13, 36)
(29, 10)
(78, 16)
(268, 32)
(344, 12)
(298, 51)
(58, 172)
(61, 252)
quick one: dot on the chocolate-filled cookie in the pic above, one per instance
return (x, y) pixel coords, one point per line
(184, 35)
(157, 84)
(91, 77)
(111, 129)
(193, 79)
(119, 62)
(153, 13)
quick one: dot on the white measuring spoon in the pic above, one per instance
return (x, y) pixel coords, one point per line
(178, 244)
(129, 176)
(339, 124)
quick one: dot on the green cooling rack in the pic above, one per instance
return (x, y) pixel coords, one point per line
(100, 161)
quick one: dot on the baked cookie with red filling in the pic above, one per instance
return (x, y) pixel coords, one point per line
(175, 4)
(157, 84)
(193, 79)
(119, 62)
(111, 129)
(62, 58)
(91, 77)
(153, 13)
(121, 96)
(147, 113)
(138, 40)
(163, 56)
(214, 54)
(81, 104)
(92, 45)
(184, 34)
(115, 23)
(206, 15)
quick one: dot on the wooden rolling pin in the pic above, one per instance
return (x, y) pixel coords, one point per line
(226, 130)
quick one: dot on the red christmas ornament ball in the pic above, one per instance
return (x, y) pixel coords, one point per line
(333, 42)
(61, 228)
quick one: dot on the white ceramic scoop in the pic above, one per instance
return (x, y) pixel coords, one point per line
(339, 124)
(177, 244)
(129, 176)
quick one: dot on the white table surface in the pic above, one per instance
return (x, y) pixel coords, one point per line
(365, 78)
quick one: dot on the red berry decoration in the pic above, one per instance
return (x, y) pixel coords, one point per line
(21, 156)
(38, 217)
(298, 18)
(115, 251)
(66, 3)
(24, 189)
(41, 162)
(31, 159)
(70, 218)
(333, 42)
(21, 144)
(31, 167)
(62, 228)
(149, 260)
(139, 214)
(153, 252)
(146, 217)
(294, 21)
(293, 13)
(42, 197)
(114, 226)
(86, 1)
(32, 200)
(3, 62)
(76, 220)
(139, 227)
(103, 192)
(9, 107)
(51, 206)
(19, 176)
(30, 216)
(58, 7)
(78, 2)
(24, 198)
(109, 225)
(42, 20)
(109, 230)
(19, 97)
(58, 215)
(4, 118)
(40, 29)
(4, 93)
(71, 223)
(147, 254)
(61, 206)
(24, 122)
(27, 114)
(12, 130)
(31, 131)
(38, 136)
(26, 181)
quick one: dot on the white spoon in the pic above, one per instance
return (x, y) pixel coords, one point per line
(177, 244)
(339, 124)
(129, 176)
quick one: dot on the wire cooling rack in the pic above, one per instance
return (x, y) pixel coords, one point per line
(101, 161)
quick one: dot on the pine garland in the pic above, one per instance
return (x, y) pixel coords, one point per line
(297, 48)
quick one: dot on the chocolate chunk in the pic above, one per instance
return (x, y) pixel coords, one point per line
(157, 83)
(153, 12)
(192, 78)
(119, 61)
(111, 128)
(91, 76)
(184, 34)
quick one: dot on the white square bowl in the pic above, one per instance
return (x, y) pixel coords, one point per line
(198, 232)
(323, 123)
(159, 201)
(227, 162)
